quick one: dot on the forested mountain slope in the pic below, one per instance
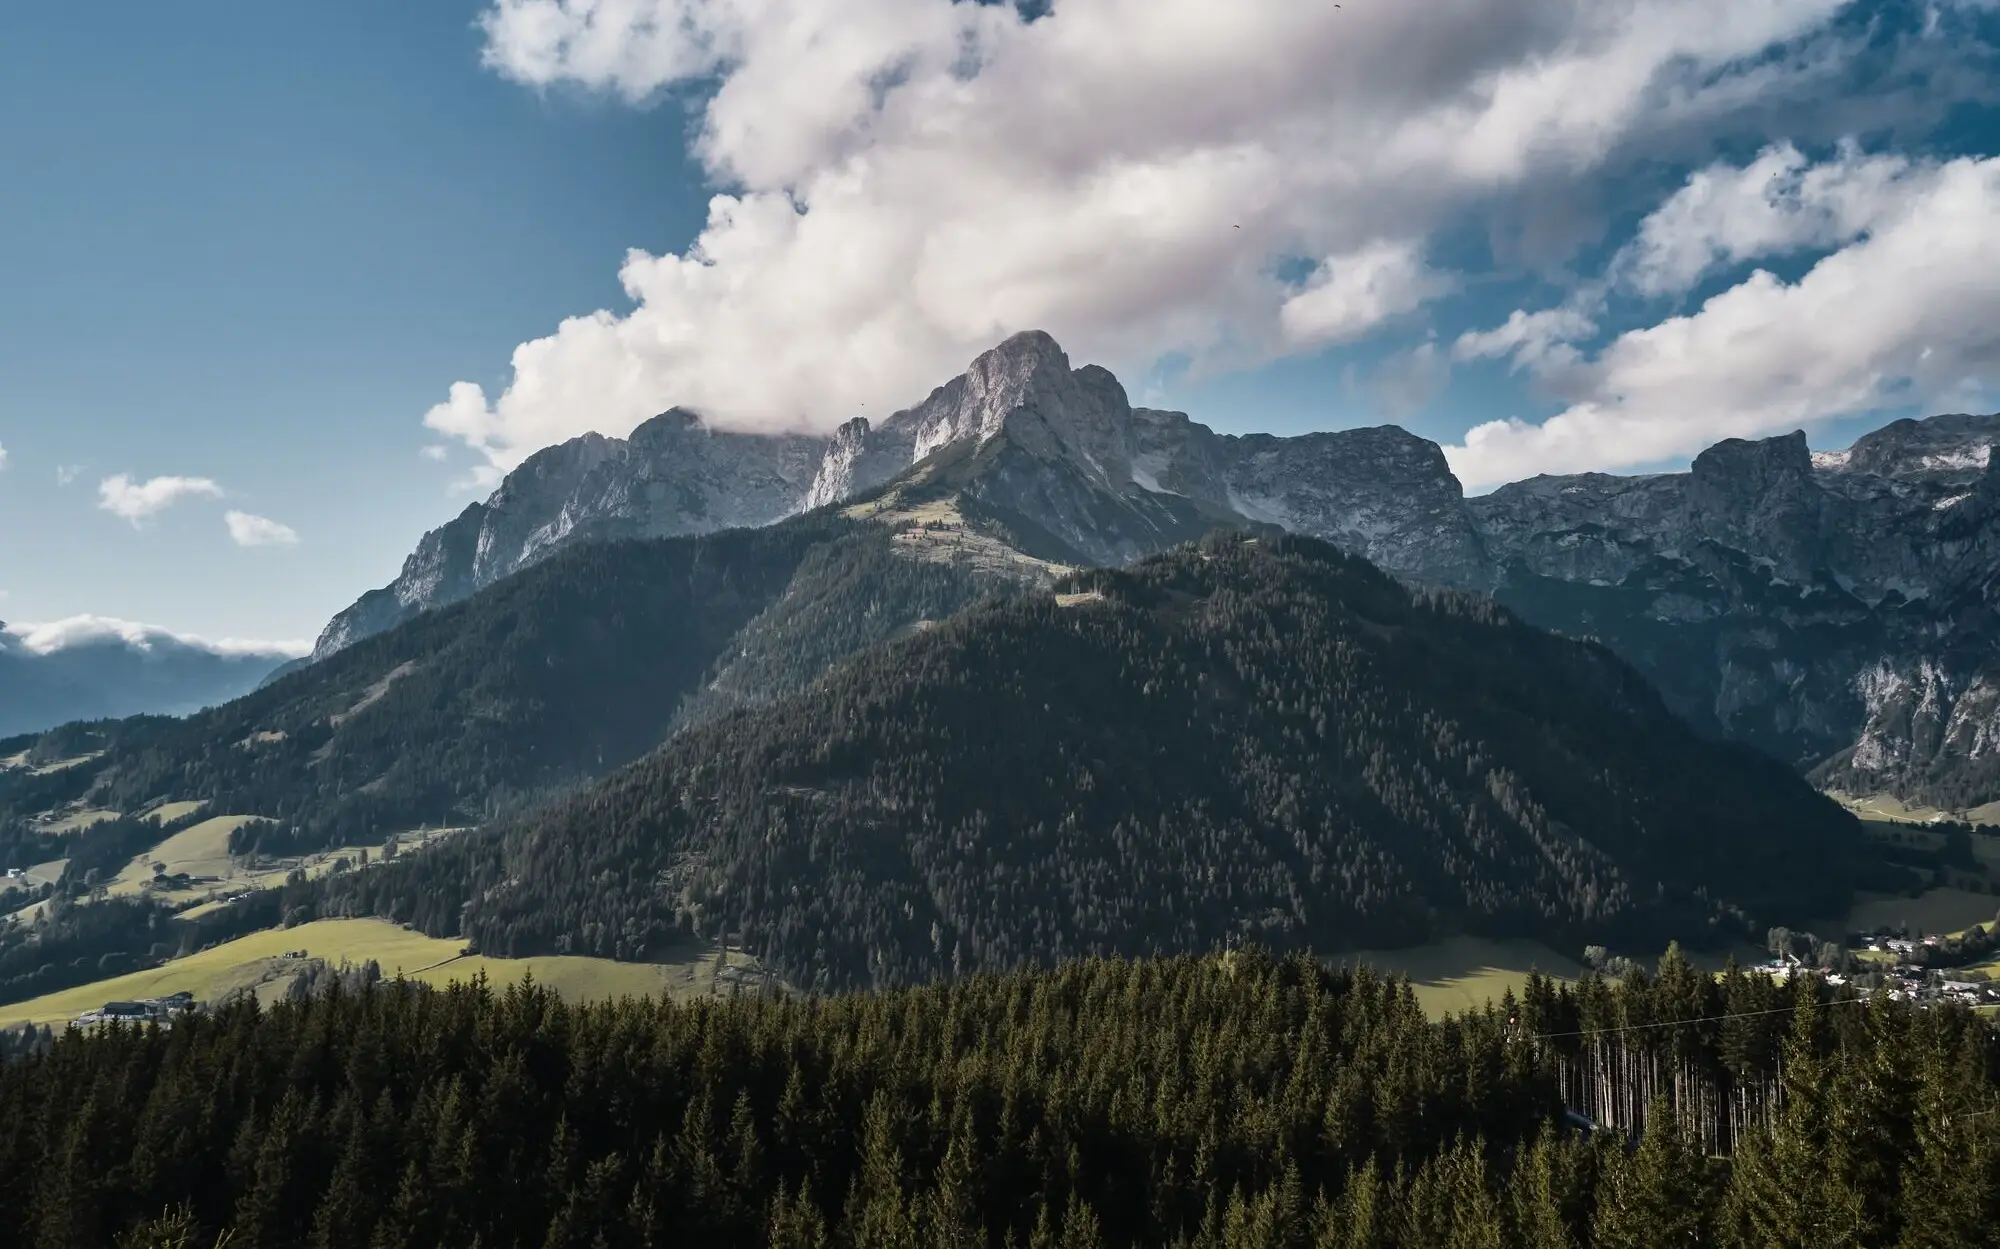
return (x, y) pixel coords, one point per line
(1244, 738)
(564, 671)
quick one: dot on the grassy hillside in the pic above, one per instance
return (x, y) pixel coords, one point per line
(264, 959)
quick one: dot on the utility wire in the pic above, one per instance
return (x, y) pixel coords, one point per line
(1676, 1023)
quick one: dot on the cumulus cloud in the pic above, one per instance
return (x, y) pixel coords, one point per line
(138, 500)
(57, 635)
(1353, 294)
(1777, 204)
(67, 473)
(1907, 313)
(248, 530)
(3, 457)
(911, 180)
(1532, 338)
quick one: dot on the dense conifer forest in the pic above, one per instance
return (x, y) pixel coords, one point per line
(1246, 739)
(1239, 1100)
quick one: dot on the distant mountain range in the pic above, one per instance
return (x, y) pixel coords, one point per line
(87, 669)
(1835, 610)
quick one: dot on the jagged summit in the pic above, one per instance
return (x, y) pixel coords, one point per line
(1062, 456)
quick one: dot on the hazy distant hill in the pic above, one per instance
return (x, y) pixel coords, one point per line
(88, 669)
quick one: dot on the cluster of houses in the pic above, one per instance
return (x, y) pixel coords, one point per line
(1904, 975)
(1899, 947)
(145, 1010)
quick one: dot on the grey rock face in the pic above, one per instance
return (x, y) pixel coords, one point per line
(1383, 493)
(1760, 494)
(1061, 456)
(1836, 607)
(672, 476)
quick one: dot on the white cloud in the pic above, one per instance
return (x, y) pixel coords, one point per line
(248, 530)
(137, 500)
(57, 635)
(1530, 337)
(1351, 295)
(67, 473)
(913, 179)
(1906, 314)
(434, 451)
(3, 457)
(1777, 204)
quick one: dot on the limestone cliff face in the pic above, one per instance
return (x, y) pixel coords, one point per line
(1837, 607)
(672, 476)
(1063, 451)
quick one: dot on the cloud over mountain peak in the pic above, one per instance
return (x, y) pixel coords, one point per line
(907, 180)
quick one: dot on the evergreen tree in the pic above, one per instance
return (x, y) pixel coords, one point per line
(1655, 1196)
(1780, 1194)
(1543, 1195)
(1949, 1187)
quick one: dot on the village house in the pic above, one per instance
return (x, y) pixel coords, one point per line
(154, 1009)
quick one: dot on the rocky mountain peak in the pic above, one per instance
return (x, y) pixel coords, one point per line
(1760, 495)
(1026, 389)
(843, 464)
(1761, 461)
(673, 423)
(1955, 447)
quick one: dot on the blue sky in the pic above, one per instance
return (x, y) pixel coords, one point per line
(255, 247)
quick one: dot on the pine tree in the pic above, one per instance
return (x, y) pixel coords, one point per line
(1540, 1194)
(174, 1229)
(1080, 1229)
(795, 1220)
(1653, 1197)
(1365, 1205)
(269, 1209)
(67, 1201)
(1949, 1187)
(1779, 1195)
(882, 1218)
(953, 1217)
(406, 1224)
(1869, 1132)
(347, 1210)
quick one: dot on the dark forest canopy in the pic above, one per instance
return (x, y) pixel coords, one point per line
(1244, 739)
(1223, 1103)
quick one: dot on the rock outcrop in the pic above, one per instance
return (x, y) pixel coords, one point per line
(1836, 609)
(1054, 451)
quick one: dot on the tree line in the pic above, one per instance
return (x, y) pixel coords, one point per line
(1235, 1100)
